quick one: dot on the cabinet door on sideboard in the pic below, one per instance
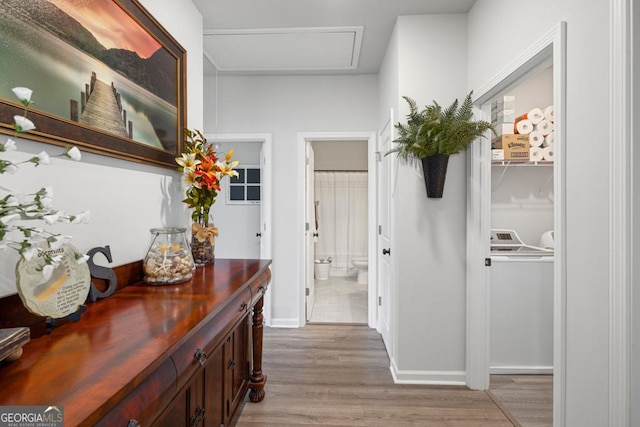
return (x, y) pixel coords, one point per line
(237, 372)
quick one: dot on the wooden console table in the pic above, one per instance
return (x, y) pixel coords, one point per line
(153, 355)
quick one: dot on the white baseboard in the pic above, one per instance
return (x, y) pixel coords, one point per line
(521, 370)
(426, 377)
(284, 323)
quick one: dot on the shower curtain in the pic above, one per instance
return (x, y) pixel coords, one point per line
(342, 218)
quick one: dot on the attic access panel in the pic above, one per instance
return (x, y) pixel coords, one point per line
(277, 49)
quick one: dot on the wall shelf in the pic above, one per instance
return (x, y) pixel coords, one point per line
(509, 164)
(520, 164)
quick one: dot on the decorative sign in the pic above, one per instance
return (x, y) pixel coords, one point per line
(100, 272)
(63, 293)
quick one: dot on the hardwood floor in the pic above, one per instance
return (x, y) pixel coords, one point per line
(528, 398)
(338, 375)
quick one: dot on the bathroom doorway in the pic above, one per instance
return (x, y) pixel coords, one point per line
(339, 229)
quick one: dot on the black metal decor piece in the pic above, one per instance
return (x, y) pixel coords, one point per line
(100, 272)
(434, 169)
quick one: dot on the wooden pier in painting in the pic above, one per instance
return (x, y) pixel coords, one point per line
(101, 107)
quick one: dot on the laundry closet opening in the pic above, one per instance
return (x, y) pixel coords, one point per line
(339, 226)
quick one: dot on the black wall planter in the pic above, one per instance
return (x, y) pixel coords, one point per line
(434, 169)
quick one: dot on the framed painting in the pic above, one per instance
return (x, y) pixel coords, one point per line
(105, 76)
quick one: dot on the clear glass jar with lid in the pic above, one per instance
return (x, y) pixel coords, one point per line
(169, 258)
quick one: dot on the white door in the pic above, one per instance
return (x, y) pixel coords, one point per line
(310, 230)
(264, 232)
(384, 252)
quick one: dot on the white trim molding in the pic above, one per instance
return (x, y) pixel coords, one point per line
(426, 377)
(303, 138)
(620, 212)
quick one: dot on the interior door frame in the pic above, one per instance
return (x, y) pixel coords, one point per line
(303, 138)
(266, 240)
(550, 49)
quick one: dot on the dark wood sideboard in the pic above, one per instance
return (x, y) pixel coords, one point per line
(152, 355)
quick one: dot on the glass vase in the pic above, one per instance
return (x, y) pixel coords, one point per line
(169, 259)
(203, 242)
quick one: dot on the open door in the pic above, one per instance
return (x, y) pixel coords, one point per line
(310, 229)
(264, 232)
(385, 212)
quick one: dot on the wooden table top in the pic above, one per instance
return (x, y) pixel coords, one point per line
(120, 340)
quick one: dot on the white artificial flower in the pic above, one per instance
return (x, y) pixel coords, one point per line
(43, 158)
(82, 259)
(15, 199)
(9, 145)
(8, 219)
(82, 217)
(73, 153)
(56, 241)
(23, 124)
(29, 252)
(47, 191)
(46, 202)
(23, 93)
(52, 218)
(47, 271)
(11, 169)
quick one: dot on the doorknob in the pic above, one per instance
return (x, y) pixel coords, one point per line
(386, 251)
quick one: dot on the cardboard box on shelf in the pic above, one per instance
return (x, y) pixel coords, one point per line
(515, 147)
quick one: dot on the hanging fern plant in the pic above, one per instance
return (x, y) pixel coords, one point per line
(435, 130)
(433, 134)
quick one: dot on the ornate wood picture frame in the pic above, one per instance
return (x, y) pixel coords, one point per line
(105, 75)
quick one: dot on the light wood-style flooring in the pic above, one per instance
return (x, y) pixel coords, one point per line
(527, 398)
(338, 375)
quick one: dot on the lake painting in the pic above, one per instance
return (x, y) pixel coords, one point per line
(92, 63)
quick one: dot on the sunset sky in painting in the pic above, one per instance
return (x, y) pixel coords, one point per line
(112, 26)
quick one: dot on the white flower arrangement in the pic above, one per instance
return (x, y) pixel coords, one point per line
(17, 209)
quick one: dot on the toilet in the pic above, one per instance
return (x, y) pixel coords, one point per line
(362, 264)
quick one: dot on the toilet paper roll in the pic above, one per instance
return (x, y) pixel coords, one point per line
(535, 154)
(549, 139)
(547, 154)
(548, 113)
(535, 116)
(545, 127)
(524, 126)
(536, 139)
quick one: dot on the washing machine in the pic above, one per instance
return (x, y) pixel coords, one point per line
(521, 306)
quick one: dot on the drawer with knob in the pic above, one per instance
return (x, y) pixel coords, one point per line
(195, 352)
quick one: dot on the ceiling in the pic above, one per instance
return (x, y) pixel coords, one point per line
(305, 36)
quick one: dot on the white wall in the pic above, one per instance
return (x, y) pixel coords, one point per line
(635, 307)
(496, 37)
(284, 106)
(429, 238)
(340, 155)
(126, 199)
